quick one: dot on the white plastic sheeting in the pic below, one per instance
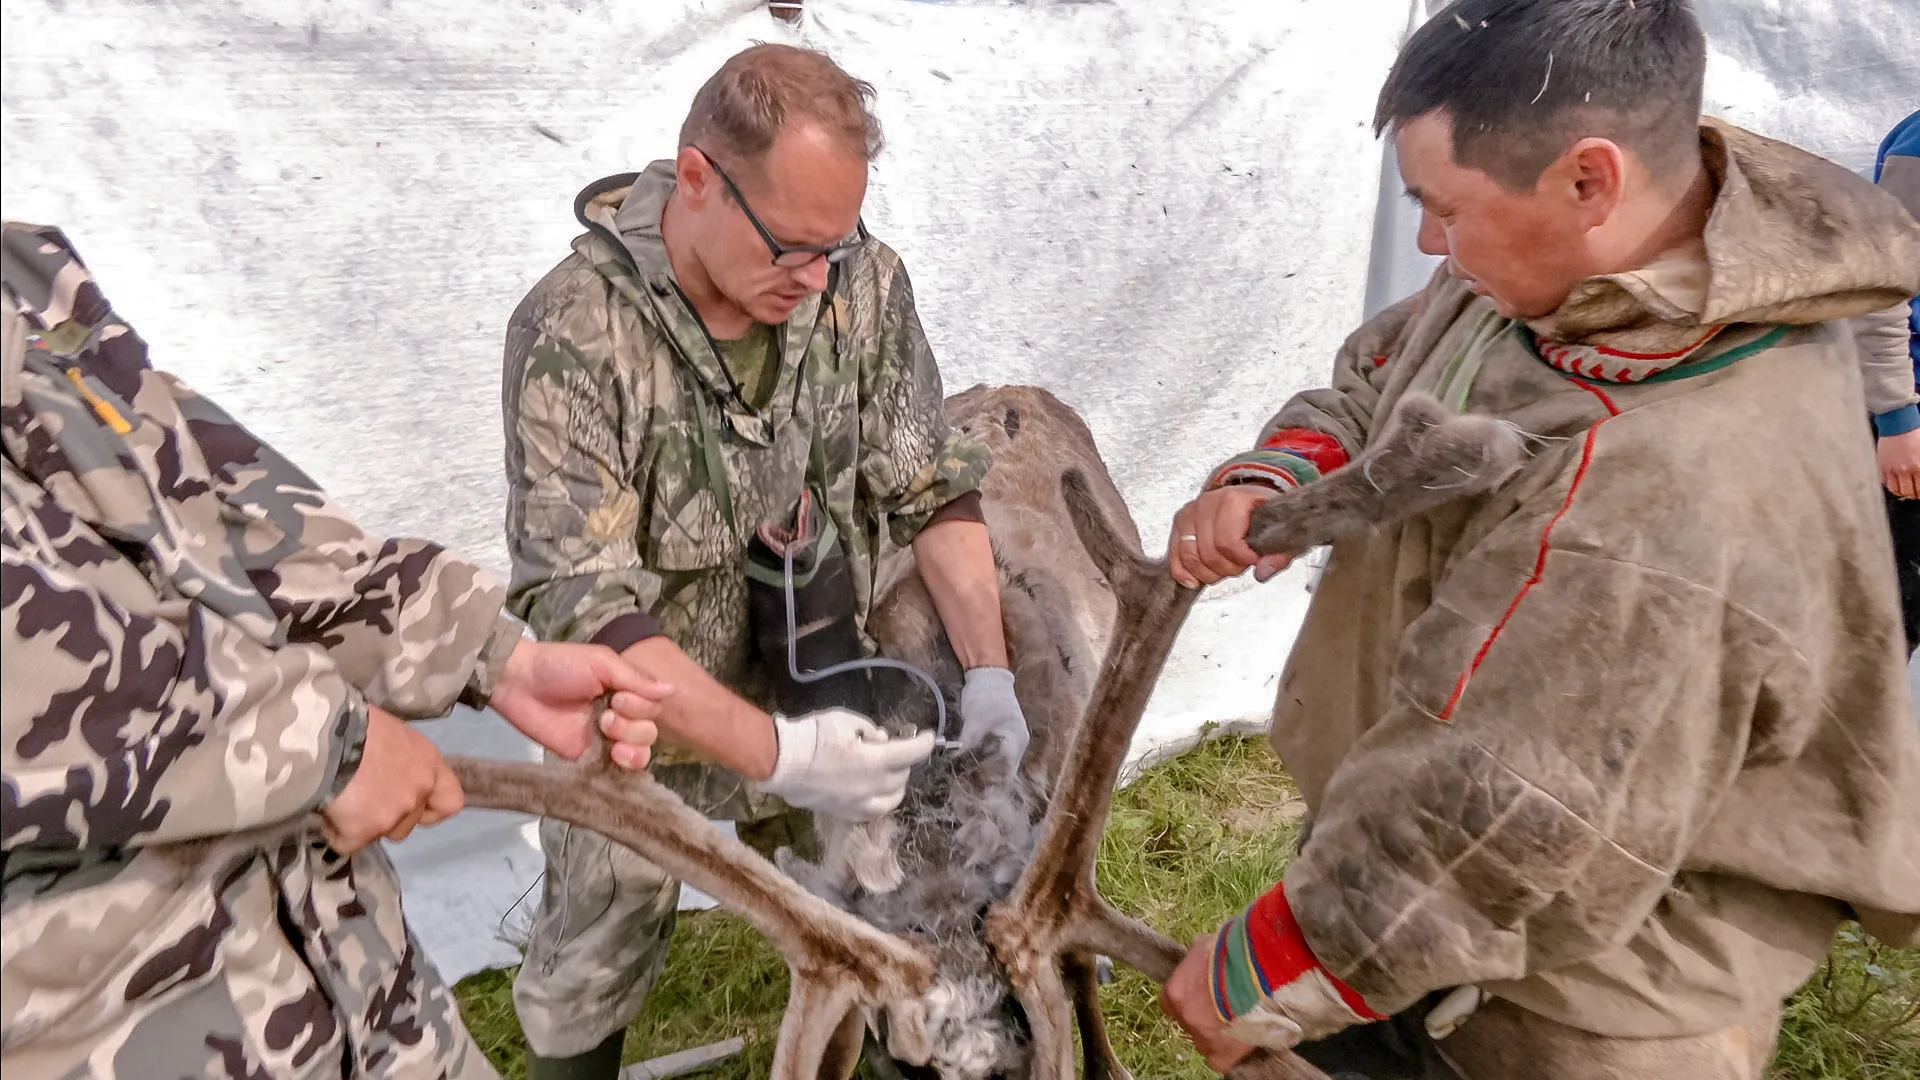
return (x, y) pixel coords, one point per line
(322, 212)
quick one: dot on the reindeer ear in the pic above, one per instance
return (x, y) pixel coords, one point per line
(1425, 456)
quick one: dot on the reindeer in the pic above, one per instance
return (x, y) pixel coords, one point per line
(959, 932)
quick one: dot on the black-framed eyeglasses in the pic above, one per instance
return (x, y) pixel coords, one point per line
(791, 256)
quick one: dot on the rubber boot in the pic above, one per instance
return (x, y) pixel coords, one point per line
(600, 1063)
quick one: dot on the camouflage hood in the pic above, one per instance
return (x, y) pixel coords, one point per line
(624, 244)
(1793, 239)
(14, 362)
(624, 209)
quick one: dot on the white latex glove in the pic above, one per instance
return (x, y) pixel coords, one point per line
(838, 763)
(988, 707)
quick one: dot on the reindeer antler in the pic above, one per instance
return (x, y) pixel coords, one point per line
(1423, 457)
(838, 963)
(842, 967)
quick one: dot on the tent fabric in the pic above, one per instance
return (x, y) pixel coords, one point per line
(321, 213)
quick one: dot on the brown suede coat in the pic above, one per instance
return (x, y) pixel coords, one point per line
(1622, 742)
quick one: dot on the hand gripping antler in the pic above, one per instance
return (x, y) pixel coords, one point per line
(838, 963)
(1424, 456)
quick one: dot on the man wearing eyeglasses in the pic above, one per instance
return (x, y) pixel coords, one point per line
(727, 354)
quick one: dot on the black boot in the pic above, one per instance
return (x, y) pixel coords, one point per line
(600, 1063)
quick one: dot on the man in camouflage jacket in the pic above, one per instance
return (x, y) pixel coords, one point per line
(202, 651)
(724, 337)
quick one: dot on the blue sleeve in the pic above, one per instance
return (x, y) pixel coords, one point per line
(1903, 140)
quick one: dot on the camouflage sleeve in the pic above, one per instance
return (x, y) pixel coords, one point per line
(121, 729)
(412, 626)
(572, 514)
(911, 463)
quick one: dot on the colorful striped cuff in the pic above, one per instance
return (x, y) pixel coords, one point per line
(1263, 948)
(1283, 469)
(1238, 983)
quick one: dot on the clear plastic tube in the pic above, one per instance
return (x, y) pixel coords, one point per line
(940, 740)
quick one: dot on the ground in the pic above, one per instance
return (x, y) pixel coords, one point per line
(1187, 845)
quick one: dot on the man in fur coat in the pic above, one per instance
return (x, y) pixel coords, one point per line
(1596, 762)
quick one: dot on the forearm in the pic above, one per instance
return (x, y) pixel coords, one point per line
(1886, 370)
(956, 563)
(225, 734)
(701, 714)
(406, 621)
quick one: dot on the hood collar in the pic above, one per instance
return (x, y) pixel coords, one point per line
(1792, 239)
(622, 215)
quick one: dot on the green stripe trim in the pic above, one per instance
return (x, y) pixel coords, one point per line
(1684, 370)
(1457, 378)
(1711, 364)
(1295, 465)
(1242, 992)
(1530, 341)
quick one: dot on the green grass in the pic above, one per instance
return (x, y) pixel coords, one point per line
(722, 979)
(1188, 844)
(1858, 1017)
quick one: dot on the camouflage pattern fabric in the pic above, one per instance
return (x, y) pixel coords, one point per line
(193, 634)
(637, 473)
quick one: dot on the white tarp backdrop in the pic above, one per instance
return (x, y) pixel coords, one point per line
(321, 213)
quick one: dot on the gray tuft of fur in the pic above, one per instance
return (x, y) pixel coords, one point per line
(1425, 456)
(929, 871)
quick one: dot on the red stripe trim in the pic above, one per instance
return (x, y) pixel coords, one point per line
(1539, 570)
(1220, 975)
(1624, 355)
(1322, 449)
(1612, 409)
(1567, 359)
(1352, 997)
(1277, 944)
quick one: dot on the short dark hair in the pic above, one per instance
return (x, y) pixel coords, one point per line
(1522, 80)
(760, 89)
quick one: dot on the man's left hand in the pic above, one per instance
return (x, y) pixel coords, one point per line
(1186, 998)
(550, 691)
(988, 707)
(1900, 464)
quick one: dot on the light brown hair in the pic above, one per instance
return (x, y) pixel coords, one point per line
(763, 88)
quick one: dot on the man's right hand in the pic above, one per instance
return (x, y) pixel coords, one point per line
(1209, 540)
(1900, 464)
(402, 782)
(838, 763)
